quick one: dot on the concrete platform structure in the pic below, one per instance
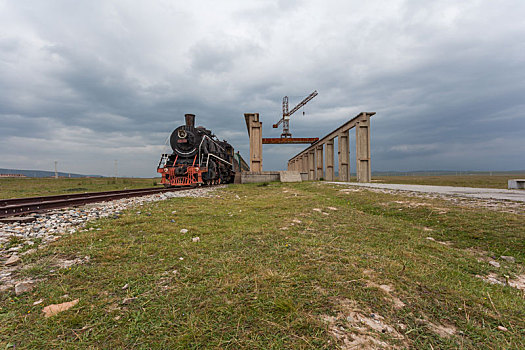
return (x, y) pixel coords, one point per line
(249, 177)
(290, 176)
(516, 184)
(311, 160)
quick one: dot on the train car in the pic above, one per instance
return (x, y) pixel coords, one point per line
(198, 158)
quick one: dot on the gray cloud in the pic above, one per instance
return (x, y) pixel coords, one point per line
(88, 82)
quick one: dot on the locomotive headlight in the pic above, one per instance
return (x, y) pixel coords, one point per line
(182, 134)
(165, 170)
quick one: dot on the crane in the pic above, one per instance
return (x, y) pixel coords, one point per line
(285, 120)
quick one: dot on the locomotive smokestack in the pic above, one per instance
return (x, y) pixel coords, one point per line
(190, 120)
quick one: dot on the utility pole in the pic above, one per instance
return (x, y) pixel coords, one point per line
(56, 172)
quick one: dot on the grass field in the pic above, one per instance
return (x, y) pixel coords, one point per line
(30, 187)
(280, 266)
(480, 181)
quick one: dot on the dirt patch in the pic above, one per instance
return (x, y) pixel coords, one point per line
(447, 243)
(387, 289)
(354, 328)
(517, 282)
(67, 263)
(444, 331)
(412, 204)
(350, 190)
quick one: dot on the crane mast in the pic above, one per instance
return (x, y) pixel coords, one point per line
(285, 120)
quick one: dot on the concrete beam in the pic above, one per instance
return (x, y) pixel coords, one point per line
(343, 143)
(345, 127)
(362, 139)
(304, 163)
(319, 162)
(329, 152)
(254, 127)
(311, 165)
(363, 167)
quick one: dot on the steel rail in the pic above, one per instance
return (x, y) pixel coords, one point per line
(20, 206)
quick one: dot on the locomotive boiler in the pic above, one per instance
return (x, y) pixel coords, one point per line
(198, 157)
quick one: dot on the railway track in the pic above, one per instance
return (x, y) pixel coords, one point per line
(21, 206)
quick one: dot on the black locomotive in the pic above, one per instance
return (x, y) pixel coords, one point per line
(198, 157)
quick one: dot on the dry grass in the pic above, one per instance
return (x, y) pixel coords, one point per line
(270, 272)
(478, 181)
(32, 187)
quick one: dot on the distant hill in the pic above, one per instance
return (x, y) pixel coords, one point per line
(42, 173)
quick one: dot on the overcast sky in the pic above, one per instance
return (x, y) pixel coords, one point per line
(86, 82)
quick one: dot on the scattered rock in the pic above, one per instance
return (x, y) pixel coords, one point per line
(183, 231)
(125, 287)
(64, 263)
(296, 221)
(518, 282)
(195, 239)
(50, 226)
(54, 309)
(13, 260)
(508, 258)
(317, 210)
(353, 330)
(333, 208)
(24, 287)
(127, 301)
(503, 329)
(492, 279)
(431, 239)
(494, 263)
(38, 302)
(28, 252)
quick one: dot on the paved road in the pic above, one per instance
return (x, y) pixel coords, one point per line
(483, 193)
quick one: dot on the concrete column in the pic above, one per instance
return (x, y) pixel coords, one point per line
(305, 163)
(362, 139)
(329, 150)
(255, 133)
(311, 165)
(344, 156)
(319, 162)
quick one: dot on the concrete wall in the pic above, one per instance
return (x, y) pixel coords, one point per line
(255, 177)
(516, 184)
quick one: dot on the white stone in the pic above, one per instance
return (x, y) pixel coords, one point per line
(494, 263)
(23, 287)
(183, 231)
(13, 260)
(508, 258)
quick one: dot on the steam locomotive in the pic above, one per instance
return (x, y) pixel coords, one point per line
(198, 158)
